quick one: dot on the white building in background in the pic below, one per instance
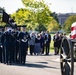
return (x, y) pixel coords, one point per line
(62, 17)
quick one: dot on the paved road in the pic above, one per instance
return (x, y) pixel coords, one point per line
(35, 65)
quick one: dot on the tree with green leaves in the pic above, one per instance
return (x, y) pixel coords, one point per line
(41, 13)
(53, 26)
(54, 15)
(21, 16)
(1, 16)
(36, 15)
(68, 23)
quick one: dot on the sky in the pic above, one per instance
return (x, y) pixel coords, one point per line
(58, 6)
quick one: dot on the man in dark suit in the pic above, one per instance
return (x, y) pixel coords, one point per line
(47, 42)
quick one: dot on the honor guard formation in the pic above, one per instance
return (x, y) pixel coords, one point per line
(15, 44)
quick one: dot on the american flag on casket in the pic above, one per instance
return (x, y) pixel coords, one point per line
(73, 31)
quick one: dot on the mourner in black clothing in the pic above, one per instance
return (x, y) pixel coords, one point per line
(47, 42)
(57, 42)
(37, 47)
(42, 42)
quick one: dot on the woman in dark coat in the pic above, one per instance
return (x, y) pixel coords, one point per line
(37, 47)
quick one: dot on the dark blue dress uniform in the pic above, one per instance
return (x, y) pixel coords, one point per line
(9, 43)
(16, 52)
(1, 47)
(23, 36)
(3, 50)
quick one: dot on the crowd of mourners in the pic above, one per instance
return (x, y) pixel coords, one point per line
(57, 38)
(15, 44)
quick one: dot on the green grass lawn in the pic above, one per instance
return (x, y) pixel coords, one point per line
(51, 46)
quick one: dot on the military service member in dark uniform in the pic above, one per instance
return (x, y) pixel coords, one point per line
(1, 47)
(23, 37)
(8, 41)
(16, 51)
